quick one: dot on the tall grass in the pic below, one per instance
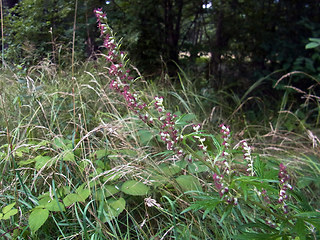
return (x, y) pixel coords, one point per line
(77, 163)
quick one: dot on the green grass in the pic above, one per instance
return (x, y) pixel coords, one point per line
(77, 163)
(67, 148)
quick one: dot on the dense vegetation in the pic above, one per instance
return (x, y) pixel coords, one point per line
(202, 122)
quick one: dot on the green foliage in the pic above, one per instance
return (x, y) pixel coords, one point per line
(38, 30)
(37, 218)
(8, 211)
(75, 162)
(134, 188)
(314, 43)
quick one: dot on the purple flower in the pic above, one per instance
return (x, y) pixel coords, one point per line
(284, 186)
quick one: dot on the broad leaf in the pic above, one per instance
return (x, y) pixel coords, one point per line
(37, 218)
(134, 188)
(197, 167)
(113, 208)
(188, 183)
(169, 170)
(41, 161)
(8, 207)
(10, 213)
(71, 199)
(110, 190)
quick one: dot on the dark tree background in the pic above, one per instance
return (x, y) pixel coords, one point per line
(235, 41)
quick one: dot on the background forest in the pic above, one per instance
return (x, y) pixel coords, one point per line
(163, 119)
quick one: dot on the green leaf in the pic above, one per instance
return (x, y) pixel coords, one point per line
(99, 154)
(51, 204)
(68, 155)
(197, 167)
(169, 170)
(71, 199)
(41, 161)
(61, 143)
(145, 136)
(8, 207)
(112, 176)
(158, 180)
(226, 213)
(300, 229)
(115, 207)
(134, 188)
(256, 236)
(309, 214)
(312, 45)
(10, 213)
(37, 218)
(26, 162)
(244, 188)
(305, 181)
(110, 190)
(83, 193)
(181, 164)
(188, 183)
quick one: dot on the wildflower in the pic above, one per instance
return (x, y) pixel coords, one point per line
(225, 131)
(246, 149)
(284, 186)
(121, 83)
(218, 182)
(150, 202)
(196, 127)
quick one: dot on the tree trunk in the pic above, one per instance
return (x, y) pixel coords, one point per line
(172, 22)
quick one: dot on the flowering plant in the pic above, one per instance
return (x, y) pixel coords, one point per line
(233, 191)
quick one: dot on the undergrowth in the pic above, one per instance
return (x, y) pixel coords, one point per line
(106, 155)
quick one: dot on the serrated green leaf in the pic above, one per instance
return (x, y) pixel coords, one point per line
(37, 218)
(188, 183)
(134, 188)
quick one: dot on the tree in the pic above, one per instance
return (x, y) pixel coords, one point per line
(38, 29)
(9, 3)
